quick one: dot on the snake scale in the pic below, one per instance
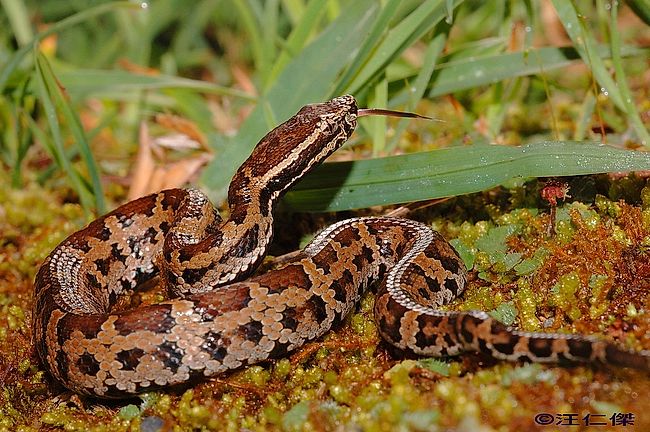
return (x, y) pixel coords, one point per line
(219, 318)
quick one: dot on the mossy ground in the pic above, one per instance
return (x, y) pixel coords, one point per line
(591, 277)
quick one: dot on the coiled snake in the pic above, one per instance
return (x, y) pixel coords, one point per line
(217, 320)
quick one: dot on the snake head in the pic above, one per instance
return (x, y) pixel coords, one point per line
(340, 111)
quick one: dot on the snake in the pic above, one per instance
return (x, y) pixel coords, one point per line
(220, 316)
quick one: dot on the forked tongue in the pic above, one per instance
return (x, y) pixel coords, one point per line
(390, 113)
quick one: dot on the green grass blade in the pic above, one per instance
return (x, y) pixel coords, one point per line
(18, 16)
(419, 86)
(299, 36)
(254, 31)
(424, 18)
(586, 45)
(450, 172)
(190, 30)
(73, 122)
(473, 72)
(378, 123)
(621, 80)
(641, 8)
(295, 10)
(270, 39)
(46, 89)
(373, 38)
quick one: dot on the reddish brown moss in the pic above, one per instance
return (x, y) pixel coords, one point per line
(351, 378)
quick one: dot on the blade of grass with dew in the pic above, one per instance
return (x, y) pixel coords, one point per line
(73, 122)
(307, 78)
(479, 71)
(57, 149)
(586, 44)
(450, 172)
(621, 80)
(72, 20)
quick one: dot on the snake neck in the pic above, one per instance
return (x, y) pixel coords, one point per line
(207, 253)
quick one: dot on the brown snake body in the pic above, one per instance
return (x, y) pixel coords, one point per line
(218, 321)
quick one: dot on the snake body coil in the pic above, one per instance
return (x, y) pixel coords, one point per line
(218, 320)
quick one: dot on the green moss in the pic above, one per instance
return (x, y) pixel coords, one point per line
(15, 317)
(619, 235)
(564, 294)
(64, 417)
(191, 414)
(608, 207)
(435, 365)
(362, 325)
(598, 300)
(505, 313)
(526, 305)
(296, 418)
(459, 403)
(256, 375)
(129, 412)
(631, 311)
(281, 369)
(528, 266)
(469, 233)
(564, 231)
